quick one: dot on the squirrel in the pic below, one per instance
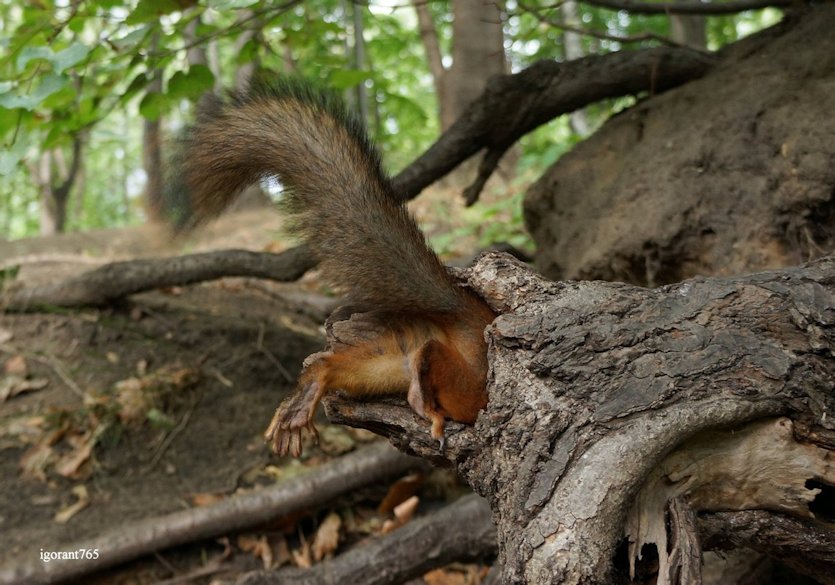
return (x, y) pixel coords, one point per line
(428, 342)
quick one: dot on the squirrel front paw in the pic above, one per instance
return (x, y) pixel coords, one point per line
(292, 417)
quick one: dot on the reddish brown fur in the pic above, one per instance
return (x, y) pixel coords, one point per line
(431, 346)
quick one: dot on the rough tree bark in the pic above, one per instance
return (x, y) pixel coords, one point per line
(612, 405)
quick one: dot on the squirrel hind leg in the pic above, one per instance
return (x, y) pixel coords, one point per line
(444, 385)
(363, 370)
(295, 414)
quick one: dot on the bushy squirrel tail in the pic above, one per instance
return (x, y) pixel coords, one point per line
(341, 202)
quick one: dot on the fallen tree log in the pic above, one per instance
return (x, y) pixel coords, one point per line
(609, 402)
(118, 280)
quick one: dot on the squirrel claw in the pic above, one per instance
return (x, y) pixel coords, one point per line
(442, 443)
(285, 433)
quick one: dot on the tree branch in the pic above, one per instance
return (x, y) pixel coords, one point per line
(808, 546)
(114, 281)
(589, 32)
(513, 105)
(692, 7)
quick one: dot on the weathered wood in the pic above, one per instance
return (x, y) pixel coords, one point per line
(117, 280)
(594, 384)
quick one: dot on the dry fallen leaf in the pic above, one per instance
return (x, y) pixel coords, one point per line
(69, 464)
(207, 499)
(402, 514)
(12, 385)
(133, 402)
(406, 510)
(80, 491)
(5, 336)
(327, 537)
(302, 556)
(26, 429)
(259, 546)
(281, 552)
(35, 460)
(465, 575)
(16, 366)
(400, 491)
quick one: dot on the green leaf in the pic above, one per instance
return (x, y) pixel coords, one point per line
(76, 25)
(29, 53)
(50, 84)
(230, 4)
(56, 135)
(192, 84)
(139, 83)
(133, 38)
(9, 120)
(70, 56)
(153, 105)
(348, 78)
(10, 157)
(148, 10)
(159, 419)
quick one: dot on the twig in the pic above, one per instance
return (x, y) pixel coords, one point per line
(268, 354)
(536, 10)
(169, 438)
(693, 7)
(53, 363)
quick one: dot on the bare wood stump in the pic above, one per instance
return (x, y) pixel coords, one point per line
(613, 407)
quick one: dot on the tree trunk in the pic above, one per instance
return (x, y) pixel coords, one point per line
(477, 55)
(689, 30)
(152, 153)
(573, 49)
(618, 413)
(54, 195)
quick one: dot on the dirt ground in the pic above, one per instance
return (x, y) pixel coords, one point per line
(149, 407)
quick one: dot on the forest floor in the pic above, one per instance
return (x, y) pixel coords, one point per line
(159, 404)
